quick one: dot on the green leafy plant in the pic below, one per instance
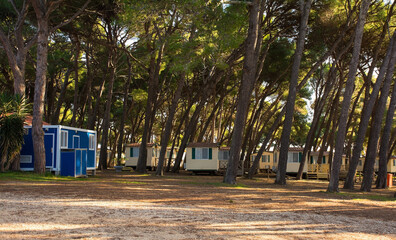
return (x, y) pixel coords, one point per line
(13, 110)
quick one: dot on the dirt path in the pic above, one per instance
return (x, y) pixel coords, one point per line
(128, 206)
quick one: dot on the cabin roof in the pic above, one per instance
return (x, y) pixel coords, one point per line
(317, 153)
(296, 149)
(29, 120)
(202, 144)
(138, 145)
(225, 148)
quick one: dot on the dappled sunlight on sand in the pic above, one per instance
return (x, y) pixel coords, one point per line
(142, 207)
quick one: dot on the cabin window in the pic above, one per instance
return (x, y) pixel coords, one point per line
(293, 158)
(275, 157)
(394, 162)
(265, 158)
(224, 155)
(360, 162)
(201, 153)
(92, 142)
(324, 159)
(26, 159)
(64, 137)
(134, 152)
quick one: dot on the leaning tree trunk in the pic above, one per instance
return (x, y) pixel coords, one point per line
(124, 112)
(168, 125)
(365, 116)
(187, 134)
(253, 168)
(248, 79)
(339, 144)
(285, 137)
(385, 140)
(368, 169)
(106, 118)
(150, 107)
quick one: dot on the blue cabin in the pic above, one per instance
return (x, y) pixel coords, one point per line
(68, 151)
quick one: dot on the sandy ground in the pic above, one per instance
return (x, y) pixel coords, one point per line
(130, 206)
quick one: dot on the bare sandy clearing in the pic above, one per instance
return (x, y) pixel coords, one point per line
(128, 206)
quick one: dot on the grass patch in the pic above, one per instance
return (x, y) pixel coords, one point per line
(357, 196)
(216, 184)
(34, 177)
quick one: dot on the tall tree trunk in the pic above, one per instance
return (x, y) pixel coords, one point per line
(150, 106)
(86, 98)
(253, 44)
(305, 7)
(339, 145)
(376, 124)
(93, 112)
(187, 135)
(124, 112)
(17, 60)
(76, 42)
(168, 125)
(263, 147)
(365, 116)
(385, 141)
(39, 87)
(106, 118)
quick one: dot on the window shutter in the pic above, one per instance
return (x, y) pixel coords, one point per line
(131, 152)
(210, 153)
(193, 153)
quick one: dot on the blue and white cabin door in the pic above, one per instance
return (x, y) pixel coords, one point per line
(76, 142)
(78, 166)
(49, 150)
(84, 156)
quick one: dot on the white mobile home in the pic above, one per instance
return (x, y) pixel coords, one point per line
(206, 157)
(360, 166)
(132, 155)
(294, 158)
(391, 168)
(267, 161)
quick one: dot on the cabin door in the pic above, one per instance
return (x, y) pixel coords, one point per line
(78, 166)
(49, 150)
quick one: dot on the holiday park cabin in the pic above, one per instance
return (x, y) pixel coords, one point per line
(360, 166)
(266, 163)
(69, 151)
(391, 167)
(132, 155)
(167, 156)
(294, 158)
(206, 157)
(318, 169)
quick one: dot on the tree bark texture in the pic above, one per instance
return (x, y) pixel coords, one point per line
(366, 114)
(39, 87)
(248, 79)
(168, 125)
(285, 137)
(339, 144)
(376, 124)
(385, 141)
(106, 118)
